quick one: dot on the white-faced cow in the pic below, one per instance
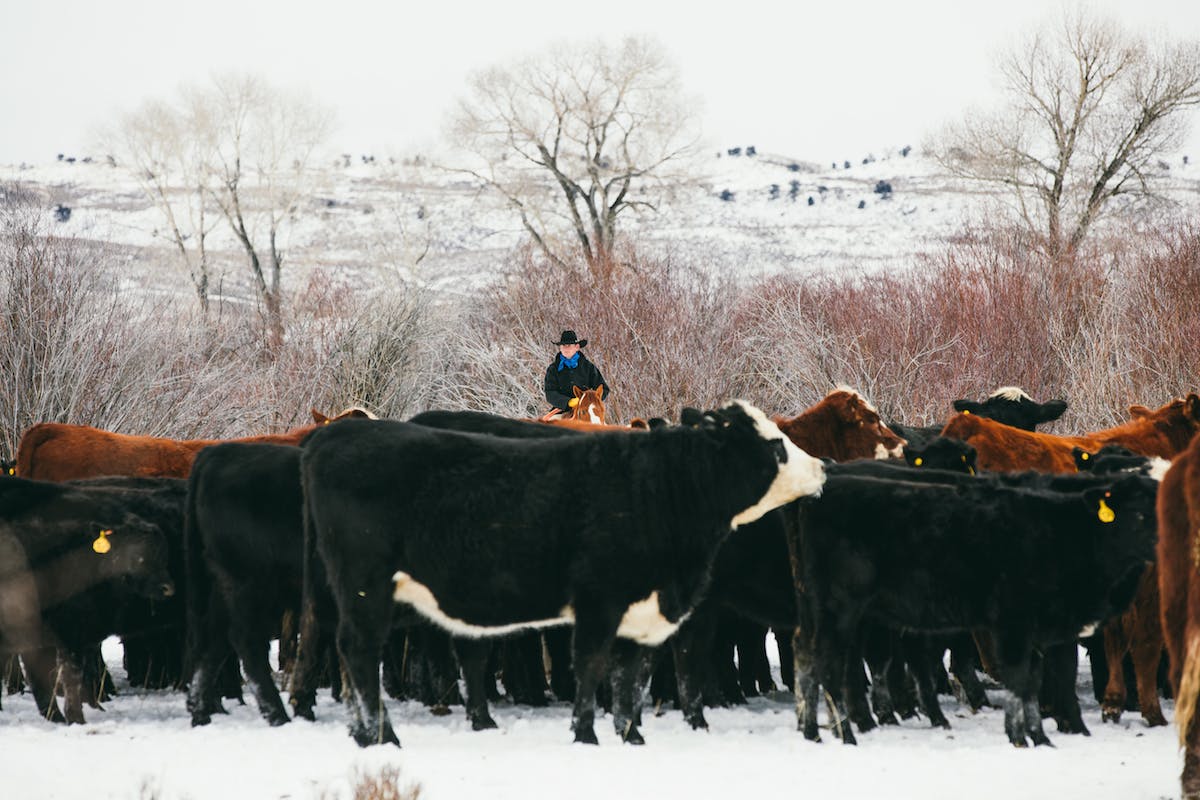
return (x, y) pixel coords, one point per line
(485, 535)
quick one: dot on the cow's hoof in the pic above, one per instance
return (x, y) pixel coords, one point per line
(586, 736)
(1111, 712)
(888, 719)
(634, 736)
(365, 738)
(1018, 741)
(275, 720)
(200, 720)
(865, 723)
(1154, 719)
(484, 723)
(75, 718)
(698, 722)
(939, 722)
(1042, 741)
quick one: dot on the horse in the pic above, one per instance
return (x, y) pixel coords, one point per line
(588, 409)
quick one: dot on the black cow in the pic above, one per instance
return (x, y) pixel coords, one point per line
(68, 556)
(1034, 566)
(941, 452)
(244, 544)
(1008, 404)
(474, 532)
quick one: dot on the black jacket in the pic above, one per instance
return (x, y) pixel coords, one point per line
(558, 384)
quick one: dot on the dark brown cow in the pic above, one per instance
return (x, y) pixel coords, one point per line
(52, 451)
(1179, 587)
(843, 426)
(1163, 433)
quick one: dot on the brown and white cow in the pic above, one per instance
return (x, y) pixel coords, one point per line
(842, 426)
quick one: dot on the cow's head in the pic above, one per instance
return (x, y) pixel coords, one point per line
(1123, 516)
(942, 452)
(135, 552)
(843, 426)
(753, 449)
(1012, 406)
(1178, 420)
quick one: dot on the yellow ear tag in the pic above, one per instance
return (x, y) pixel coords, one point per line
(918, 462)
(1085, 456)
(965, 411)
(574, 401)
(101, 545)
(1105, 514)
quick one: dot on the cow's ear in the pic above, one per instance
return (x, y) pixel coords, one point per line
(690, 417)
(1051, 410)
(1192, 406)
(1138, 411)
(967, 406)
(318, 417)
(578, 392)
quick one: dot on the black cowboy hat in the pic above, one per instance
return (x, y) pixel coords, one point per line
(568, 337)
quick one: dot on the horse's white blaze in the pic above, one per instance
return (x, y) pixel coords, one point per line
(644, 622)
(593, 416)
(800, 475)
(416, 594)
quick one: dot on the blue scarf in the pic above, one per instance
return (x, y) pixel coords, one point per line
(568, 363)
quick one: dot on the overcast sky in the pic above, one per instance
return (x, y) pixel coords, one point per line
(817, 81)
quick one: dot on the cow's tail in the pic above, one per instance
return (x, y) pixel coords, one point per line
(199, 581)
(32, 439)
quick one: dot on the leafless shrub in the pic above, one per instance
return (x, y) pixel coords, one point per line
(658, 331)
(381, 785)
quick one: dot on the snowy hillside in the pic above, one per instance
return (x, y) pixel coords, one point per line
(748, 213)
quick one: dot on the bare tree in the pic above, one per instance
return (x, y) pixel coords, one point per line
(576, 137)
(1090, 110)
(264, 142)
(168, 149)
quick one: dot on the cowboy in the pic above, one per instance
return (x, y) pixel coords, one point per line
(571, 368)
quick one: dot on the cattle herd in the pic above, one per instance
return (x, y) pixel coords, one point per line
(608, 564)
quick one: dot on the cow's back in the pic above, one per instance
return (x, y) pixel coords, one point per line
(1003, 448)
(53, 451)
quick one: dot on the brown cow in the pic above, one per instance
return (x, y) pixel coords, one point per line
(52, 451)
(843, 426)
(1163, 433)
(1179, 587)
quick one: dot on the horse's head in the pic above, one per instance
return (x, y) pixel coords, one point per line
(590, 407)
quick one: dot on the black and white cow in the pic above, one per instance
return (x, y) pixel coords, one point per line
(1034, 566)
(1009, 405)
(68, 556)
(485, 535)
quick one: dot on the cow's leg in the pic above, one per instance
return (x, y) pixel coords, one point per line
(1146, 645)
(473, 657)
(879, 652)
(690, 661)
(1116, 644)
(1021, 669)
(964, 663)
(289, 630)
(208, 643)
(754, 668)
(916, 651)
(787, 665)
(807, 686)
(252, 643)
(313, 652)
(1060, 666)
(362, 627)
(562, 676)
(856, 692)
(10, 672)
(835, 659)
(625, 675)
(70, 670)
(40, 671)
(595, 630)
(524, 674)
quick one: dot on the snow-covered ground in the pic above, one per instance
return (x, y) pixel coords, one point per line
(369, 222)
(142, 746)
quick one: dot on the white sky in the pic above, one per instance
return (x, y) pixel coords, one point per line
(818, 81)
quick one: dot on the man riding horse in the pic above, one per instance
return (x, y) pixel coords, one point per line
(569, 369)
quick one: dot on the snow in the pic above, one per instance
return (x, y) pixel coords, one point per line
(143, 746)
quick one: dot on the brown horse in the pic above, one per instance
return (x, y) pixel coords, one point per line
(52, 451)
(588, 408)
